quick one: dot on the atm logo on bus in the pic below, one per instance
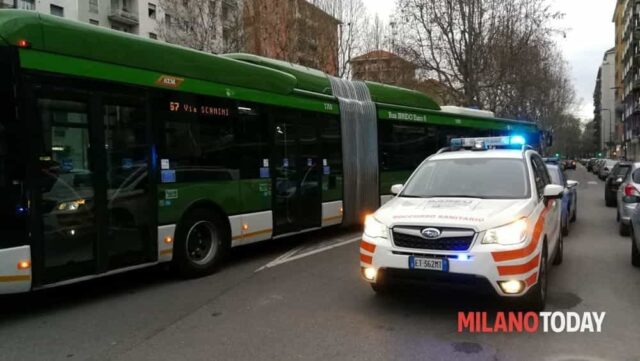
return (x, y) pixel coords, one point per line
(170, 81)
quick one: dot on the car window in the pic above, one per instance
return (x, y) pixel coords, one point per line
(636, 176)
(539, 176)
(493, 178)
(621, 170)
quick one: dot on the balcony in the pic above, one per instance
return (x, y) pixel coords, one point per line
(123, 13)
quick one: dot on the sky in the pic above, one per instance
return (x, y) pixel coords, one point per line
(589, 33)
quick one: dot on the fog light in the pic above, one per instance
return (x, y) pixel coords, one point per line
(511, 287)
(370, 273)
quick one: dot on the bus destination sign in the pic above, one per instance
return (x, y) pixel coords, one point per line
(207, 110)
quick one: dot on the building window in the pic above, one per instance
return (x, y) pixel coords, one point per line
(168, 20)
(26, 4)
(152, 11)
(56, 10)
(94, 22)
(153, 36)
(93, 6)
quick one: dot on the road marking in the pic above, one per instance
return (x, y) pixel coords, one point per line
(292, 256)
(594, 183)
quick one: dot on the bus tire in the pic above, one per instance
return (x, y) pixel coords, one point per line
(201, 243)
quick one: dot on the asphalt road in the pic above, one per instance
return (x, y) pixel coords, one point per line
(297, 300)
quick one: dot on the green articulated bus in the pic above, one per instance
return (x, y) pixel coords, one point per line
(118, 152)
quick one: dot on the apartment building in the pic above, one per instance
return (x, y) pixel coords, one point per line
(63, 8)
(631, 76)
(291, 30)
(141, 17)
(605, 103)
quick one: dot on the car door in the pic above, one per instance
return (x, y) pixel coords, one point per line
(553, 216)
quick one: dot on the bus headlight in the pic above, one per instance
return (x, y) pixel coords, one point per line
(71, 205)
(512, 233)
(373, 228)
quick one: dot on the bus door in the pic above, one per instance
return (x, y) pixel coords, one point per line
(297, 203)
(93, 193)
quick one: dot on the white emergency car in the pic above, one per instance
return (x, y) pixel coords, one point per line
(483, 211)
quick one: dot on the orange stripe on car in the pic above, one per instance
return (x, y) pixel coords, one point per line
(531, 280)
(529, 249)
(366, 259)
(520, 268)
(367, 246)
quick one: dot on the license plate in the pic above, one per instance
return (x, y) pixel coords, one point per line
(433, 264)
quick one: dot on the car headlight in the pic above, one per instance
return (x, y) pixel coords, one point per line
(373, 228)
(512, 233)
(71, 205)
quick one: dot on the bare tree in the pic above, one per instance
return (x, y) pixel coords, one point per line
(352, 32)
(201, 24)
(496, 54)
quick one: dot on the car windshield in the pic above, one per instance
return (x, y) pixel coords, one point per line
(474, 178)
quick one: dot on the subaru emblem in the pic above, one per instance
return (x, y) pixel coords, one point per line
(430, 233)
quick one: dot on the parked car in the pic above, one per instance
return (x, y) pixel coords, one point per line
(596, 166)
(606, 168)
(613, 182)
(569, 164)
(590, 163)
(635, 237)
(569, 197)
(628, 197)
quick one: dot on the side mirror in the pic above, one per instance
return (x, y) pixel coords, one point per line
(572, 183)
(396, 189)
(553, 191)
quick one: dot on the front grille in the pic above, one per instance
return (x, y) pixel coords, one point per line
(456, 243)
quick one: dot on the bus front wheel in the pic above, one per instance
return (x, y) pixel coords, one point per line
(200, 244)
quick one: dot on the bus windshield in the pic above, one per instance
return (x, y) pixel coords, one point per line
(475, 178)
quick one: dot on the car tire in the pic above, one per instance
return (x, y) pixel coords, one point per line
(623, 229)
(574, 217)
(536, 297)
(565, 228)
(557, 259)
(609, 201)
(201, 243)
(380, 288)
(635, 253)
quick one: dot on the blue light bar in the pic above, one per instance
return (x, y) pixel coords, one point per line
(517, 140)
(504, 141)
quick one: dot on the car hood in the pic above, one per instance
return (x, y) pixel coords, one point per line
(478, 214)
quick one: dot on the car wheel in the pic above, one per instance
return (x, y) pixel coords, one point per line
(565, 228)
(609, 200)
(201, 244)
(623, 229)
(635, 253)
(536, 298)
(575, 212)
(557, 259)
(380, 288)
